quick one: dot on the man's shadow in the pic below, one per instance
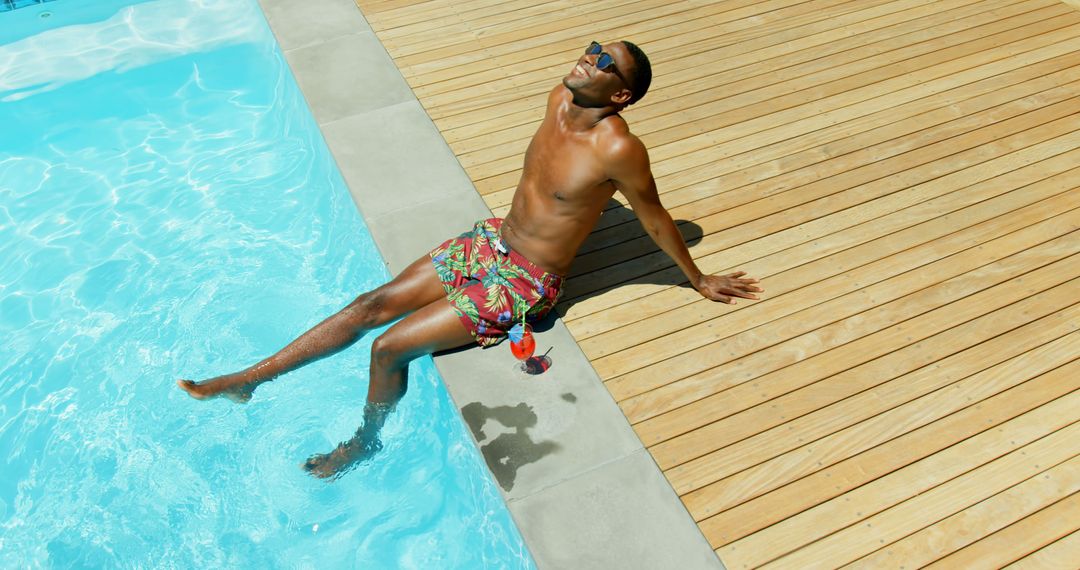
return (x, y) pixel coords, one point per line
(619, 251)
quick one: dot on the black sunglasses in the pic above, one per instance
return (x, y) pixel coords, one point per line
(605, 62)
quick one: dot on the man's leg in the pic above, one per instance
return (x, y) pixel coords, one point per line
(431, 329)
(415, 287)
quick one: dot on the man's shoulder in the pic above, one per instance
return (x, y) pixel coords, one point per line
(622, 154)
(617, 143)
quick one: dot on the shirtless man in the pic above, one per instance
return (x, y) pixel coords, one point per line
(473, 288)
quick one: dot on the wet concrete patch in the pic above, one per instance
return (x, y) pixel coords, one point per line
(513, 447)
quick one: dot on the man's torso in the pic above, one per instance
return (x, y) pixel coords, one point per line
(563, 189)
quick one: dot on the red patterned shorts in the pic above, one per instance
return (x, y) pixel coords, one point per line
(490, 286)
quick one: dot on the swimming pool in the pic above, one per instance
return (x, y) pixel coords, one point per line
(168, 209)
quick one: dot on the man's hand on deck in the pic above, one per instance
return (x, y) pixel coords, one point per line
(724, 288)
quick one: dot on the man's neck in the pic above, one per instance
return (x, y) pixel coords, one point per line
(578, 117)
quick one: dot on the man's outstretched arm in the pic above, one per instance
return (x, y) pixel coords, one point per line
(632, 176)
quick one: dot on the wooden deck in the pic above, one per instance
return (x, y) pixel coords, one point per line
(902, 175)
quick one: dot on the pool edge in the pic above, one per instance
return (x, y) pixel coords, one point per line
(592, 497)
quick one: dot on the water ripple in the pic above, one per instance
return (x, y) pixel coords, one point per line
(183, 218)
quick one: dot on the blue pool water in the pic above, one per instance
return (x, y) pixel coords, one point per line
(168, 209)
(6, 5)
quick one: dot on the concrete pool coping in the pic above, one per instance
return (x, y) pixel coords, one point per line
(581, 487)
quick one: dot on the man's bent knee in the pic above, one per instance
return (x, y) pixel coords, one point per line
(389, 352)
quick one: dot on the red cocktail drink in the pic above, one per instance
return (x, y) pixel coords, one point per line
(522, 344)
(524, 348)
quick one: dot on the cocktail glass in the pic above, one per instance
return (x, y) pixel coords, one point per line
(522, 345)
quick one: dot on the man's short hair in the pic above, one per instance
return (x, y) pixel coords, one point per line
(642, 72)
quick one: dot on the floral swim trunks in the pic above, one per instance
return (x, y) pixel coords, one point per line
(490, 286)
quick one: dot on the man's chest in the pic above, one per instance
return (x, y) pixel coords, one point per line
(564, 166)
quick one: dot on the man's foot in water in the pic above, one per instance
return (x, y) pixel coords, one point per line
(334, 464)
(232, 386)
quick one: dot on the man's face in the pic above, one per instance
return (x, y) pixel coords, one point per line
(588, 83)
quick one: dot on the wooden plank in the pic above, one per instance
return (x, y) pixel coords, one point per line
(540, 33)
(625, 370)
(763, 432)
(737, 45)
(940, 501)
(782, 303)
(836, 531)
(838, 210)
(828, 210)
(691, 81)
(1061, 555)
(522, 66)
(534, 37)
(817, 163)
(843, 97)
(988, 516)
(759, 513)
(755, 112)
(665, 426)
(1018, 540)
(857, 150)
(707, 484)
(879, 177)
(850, 249)
(736, 170)
(761, 169)
(830, 43)
(485, 120)
(392, 13)
(526, 95)
(804, 119)
(387, 21)
(715, 379)
(874, 424)
(702, 173)
(806, 84)
(647, 329)
(473, 16)
(779, 60)
(674, 40)
(743, 256)
(746, 388)
(865, 281)
(949, 50)
(785, 51)
(431, 51)
(744, 20)
(698, 356)
(373, 9)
